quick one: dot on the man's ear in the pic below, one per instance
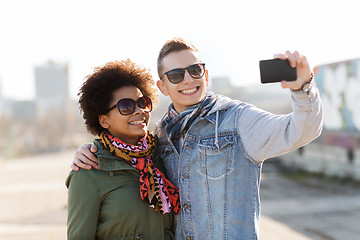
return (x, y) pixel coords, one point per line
(103, 120)
(207, 77)
(161, 85)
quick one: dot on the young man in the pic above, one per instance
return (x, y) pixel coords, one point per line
(213, 147)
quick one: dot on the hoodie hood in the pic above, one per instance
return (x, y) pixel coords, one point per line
(223, 103)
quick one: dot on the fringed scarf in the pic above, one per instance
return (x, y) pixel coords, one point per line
(155, 188)
(178, 124)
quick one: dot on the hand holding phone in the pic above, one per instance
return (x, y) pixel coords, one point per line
(276, 70)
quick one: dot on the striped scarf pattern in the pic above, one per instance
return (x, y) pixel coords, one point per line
(155, 188)
(178, 124)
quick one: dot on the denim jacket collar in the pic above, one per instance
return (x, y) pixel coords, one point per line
(222, 103)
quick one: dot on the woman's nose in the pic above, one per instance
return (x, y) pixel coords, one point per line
(138, 109)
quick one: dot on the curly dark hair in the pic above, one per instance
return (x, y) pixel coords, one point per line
(96, 93)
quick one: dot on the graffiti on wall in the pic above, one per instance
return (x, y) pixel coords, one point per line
(339, 85)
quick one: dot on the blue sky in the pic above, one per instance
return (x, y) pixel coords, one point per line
(232, 36)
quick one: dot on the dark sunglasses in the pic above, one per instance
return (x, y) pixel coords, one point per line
(176, 75)
(127, 106)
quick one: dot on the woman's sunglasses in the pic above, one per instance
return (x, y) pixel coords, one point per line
(176, 75)
(127, 106)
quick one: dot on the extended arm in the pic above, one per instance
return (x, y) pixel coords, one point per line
(267, 135)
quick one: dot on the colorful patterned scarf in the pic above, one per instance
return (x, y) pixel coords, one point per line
(155, 189)
(178, 124)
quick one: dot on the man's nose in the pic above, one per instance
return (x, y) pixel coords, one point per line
(188, 78)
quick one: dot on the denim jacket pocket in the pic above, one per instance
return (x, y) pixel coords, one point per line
(163, 150)
(217, 160)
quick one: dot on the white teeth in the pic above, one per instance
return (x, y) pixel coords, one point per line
(189, 91)
(137, 122)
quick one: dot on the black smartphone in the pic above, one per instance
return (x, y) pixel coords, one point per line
(276, 70)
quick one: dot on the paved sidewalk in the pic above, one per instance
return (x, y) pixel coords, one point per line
(33, 197)
(315, 208)
(33, 203)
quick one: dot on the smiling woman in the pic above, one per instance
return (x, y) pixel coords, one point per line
(130, 189)
(128, 127)
(108, 85)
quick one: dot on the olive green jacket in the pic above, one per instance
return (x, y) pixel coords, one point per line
(106, 203)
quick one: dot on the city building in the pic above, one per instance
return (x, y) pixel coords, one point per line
(51, 88)
(23, 111)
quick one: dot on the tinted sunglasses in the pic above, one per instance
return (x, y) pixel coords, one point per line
(176, 75)
(127, 106)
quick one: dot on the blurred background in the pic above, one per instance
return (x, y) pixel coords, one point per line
(48, 47)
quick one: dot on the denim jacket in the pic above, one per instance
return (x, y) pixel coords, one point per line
(219, 165)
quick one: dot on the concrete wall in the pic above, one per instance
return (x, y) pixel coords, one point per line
(329, 160)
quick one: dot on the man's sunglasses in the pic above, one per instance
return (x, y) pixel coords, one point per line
(126, 106)
(176, 75)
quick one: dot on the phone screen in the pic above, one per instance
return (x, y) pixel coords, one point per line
(276, 70)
